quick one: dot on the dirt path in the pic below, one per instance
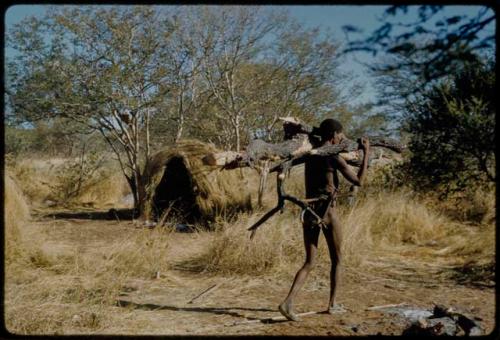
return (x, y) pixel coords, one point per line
(161, 305)
(234, 302)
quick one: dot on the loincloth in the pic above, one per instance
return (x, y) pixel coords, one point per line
(320, 206)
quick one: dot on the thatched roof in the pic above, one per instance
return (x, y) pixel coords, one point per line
(176, 177)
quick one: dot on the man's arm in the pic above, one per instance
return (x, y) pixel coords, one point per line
(345, 170)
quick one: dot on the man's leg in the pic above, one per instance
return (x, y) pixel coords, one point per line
(311, 235)
(333, 235)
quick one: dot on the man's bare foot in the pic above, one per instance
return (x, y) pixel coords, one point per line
(285, 309)
(336, 308)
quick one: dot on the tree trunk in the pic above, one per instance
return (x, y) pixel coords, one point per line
(148, 141)
(138, 189)
(180, 127)
(132, 185)
(262, 184)
(237, 133)
(141, 205)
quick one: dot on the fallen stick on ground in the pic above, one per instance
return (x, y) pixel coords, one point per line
(388, 306)
(266, 320)
(203, 293)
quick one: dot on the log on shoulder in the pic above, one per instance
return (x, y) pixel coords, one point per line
(222, 158)
(260, 150)
(346, 146)
(300, 140)
(296, 148)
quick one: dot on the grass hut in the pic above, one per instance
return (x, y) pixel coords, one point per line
(179, 185)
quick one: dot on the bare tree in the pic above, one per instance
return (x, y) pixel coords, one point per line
(232, 38)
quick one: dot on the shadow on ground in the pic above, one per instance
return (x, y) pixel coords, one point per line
(474, 275)
(214, 310)
(109, 215)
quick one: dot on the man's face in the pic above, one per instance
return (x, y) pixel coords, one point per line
(337, 138)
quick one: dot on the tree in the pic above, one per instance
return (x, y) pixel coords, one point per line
(429, 47)
(417, 53)
(100, 67)
(185, 96)
(143, 77)
(453, 130)
(303, 80)
(258, 66)
(233, 38)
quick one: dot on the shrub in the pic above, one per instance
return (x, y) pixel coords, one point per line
(453, 131)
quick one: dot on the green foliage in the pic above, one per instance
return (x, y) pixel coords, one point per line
(194, 72)
(17, 140)
(144, 77)
(453, 131)
(430, 46)
(418, 46)
(53, 138)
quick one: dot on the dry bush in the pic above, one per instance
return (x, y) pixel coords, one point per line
(390, 220)
(57, 180)
(400, 223)
(138, 257)
(34, 178)
(394, 223)
(22, 242)
(88, 180)
(476, 205)
(16, 217)
(33, 320)
(109, 190)
(42, 307)
(105, 270)
(275, 246)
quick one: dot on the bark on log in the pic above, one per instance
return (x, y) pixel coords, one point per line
(221, 158)
(292, 127)
(346, 145)
(300, 139)
(294, 148)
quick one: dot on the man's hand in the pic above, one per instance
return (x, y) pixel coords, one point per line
(364, 144)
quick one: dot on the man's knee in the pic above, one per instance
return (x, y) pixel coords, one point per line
(308, 265)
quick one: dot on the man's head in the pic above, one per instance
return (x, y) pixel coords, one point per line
(331, 130)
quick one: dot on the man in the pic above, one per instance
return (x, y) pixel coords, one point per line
(322, 182)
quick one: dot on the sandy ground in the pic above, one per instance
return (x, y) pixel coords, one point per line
(236, 304)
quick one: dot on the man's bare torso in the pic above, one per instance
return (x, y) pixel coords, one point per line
(320, 176)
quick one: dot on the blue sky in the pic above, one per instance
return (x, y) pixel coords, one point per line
(331, 17)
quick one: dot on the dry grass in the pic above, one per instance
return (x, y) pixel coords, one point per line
(69, 290)
(45, 180)
(275, 246)
(394, 223)
(476, 205)
(16, 217)
(108, 191)
(398, 221)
